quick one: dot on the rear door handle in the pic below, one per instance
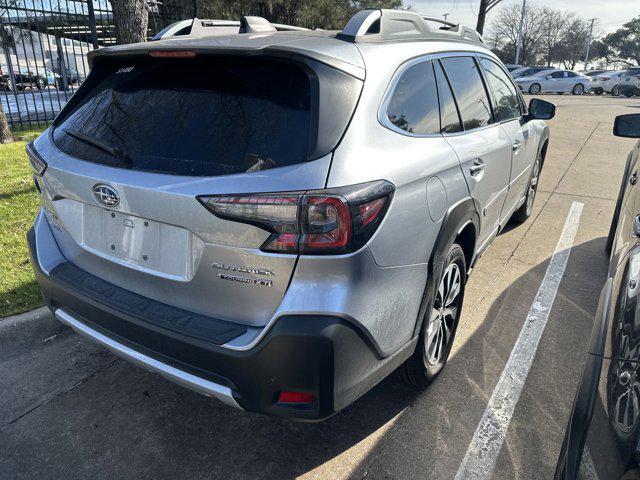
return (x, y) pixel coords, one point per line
(477, 168)
(516, 146)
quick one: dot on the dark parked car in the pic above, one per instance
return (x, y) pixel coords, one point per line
(25, 77)
(602, 439)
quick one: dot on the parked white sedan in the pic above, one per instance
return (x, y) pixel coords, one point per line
(606, 82)
(558, 81)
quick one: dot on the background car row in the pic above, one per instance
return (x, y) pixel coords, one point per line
(535, 80)
(40, 78)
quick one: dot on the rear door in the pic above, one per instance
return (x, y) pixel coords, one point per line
(508, 110)
(483, 147)
(130, 160)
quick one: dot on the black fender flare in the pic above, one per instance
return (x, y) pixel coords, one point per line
(457, 217)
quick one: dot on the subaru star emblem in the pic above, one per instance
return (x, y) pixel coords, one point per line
(106, 195)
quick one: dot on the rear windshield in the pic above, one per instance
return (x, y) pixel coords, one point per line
(633, 71)
(207, 117)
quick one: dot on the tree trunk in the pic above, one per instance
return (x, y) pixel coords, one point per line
(131, 20)
(482, 15)
(5, 133)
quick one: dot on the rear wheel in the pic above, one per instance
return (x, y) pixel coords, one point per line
(534, 89)
(41, 84)
(440, 322)
(524, 212)
(615, 91)
(578, 89)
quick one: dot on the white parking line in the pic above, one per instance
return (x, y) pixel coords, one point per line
(480, 459)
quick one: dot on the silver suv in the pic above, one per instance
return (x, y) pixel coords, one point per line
(280, 218)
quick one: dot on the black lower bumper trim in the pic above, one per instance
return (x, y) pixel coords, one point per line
(199, 326)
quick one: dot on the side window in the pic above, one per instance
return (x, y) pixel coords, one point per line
(504, 93)
(469, 91)
(571, 74)
(414, 104)
(557, 75)
(449, 118)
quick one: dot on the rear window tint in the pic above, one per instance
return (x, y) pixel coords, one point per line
(469, 91)
(633, 71)
(205, 117)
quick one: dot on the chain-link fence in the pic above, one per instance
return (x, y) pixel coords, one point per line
(43, 53)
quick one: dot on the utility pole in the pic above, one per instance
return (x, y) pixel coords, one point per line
(445, 15)
(586, 57)
(519, 42)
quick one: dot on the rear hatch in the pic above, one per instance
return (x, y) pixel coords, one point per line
(145, 136)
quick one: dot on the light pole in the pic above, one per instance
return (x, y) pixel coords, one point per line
(586, 57)
(519, 42)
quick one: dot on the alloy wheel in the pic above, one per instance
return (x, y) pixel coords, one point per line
(444, 314)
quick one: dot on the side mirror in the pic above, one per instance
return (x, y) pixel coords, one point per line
(627, 126)
(541, 109)
(548, 77)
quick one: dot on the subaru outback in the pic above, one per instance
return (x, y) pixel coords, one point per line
(280, 218)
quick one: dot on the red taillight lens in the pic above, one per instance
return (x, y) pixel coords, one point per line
(295, 397)
(327, 224)
(331, 221)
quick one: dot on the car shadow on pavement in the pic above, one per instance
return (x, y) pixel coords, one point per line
(122, 422)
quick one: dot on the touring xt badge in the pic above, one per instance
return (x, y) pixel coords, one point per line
(241, 269)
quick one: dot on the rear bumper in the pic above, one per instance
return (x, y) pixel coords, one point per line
(324, 355)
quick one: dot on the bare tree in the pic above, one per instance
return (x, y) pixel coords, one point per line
(571, 48)
(131, 20)
(506, 26)
(485, 7)
(554, 24)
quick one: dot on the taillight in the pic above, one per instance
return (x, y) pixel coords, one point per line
(332, 221)
(38, 165)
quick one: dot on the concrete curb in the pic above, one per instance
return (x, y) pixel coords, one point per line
(24, 317)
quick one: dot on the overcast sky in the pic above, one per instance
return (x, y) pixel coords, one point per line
(611, 14)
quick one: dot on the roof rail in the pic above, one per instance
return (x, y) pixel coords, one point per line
(401, 25)
(196, 27)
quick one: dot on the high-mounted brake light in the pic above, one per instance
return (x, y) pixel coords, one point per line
(332, 221)
(172, 53)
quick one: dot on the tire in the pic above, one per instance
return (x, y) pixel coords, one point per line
(578, 89)
(534, 88)
(41, 84)
(598, 91)
(628, 94)
(524, 212)
(615, 91)
(440, 322)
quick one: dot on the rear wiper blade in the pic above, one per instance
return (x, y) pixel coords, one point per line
(94, 142)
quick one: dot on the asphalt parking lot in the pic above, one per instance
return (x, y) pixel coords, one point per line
(69, 409)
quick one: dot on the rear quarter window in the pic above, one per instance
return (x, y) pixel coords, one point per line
(413, 106)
